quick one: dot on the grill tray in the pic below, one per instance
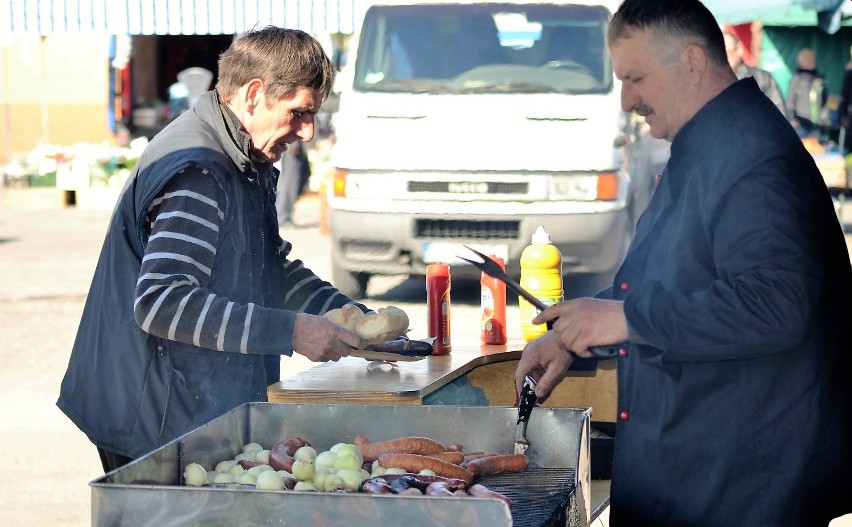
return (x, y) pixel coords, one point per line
(539, 496)
(553, 491)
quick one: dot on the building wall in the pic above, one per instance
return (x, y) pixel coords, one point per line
(53, 89)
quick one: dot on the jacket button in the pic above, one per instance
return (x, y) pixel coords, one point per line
(160, 351)
(624, 286)
(623, 352)
(624, 415)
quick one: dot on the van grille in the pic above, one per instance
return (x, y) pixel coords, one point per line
(468, 187)
(466, 229)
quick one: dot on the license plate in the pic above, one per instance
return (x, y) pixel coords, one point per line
(449, 253)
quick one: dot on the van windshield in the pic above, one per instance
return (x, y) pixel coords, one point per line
(484, 48)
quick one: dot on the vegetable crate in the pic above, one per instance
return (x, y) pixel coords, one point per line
(554, 490)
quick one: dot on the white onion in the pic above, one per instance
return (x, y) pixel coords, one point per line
(194, 475)
(269, 480)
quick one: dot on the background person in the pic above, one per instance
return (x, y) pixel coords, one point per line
(295, 173)
(806, 96)
(194, 299)
(733, 301)
(844, 106)
(735, 50)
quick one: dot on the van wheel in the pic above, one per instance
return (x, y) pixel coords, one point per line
(353, 285)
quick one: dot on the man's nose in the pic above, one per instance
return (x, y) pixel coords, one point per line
(629, 100)
(306, 130)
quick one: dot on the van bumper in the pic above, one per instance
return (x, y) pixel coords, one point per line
(399, 243)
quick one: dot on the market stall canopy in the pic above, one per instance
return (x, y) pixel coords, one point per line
(828, 15)
(173, 17)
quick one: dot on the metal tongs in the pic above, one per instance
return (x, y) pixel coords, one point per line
(493, 269)
(526, 402)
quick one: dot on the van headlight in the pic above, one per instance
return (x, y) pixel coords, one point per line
(584, 187)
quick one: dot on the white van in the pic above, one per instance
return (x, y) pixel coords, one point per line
(464, 123)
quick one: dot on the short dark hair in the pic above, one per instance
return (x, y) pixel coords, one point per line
(284, 59)
(686, 21)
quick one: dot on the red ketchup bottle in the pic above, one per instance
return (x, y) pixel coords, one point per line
(493, 307)
(438, 305)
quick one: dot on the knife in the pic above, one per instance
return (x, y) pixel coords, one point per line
(526, 402)
(401, 349)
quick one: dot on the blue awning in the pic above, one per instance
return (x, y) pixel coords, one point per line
(173, 17)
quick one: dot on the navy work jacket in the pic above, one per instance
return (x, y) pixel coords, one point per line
(734, 394)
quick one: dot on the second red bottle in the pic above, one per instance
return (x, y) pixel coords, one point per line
(438, 306)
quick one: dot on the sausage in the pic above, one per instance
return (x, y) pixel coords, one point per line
(470, 456)
(413, 491)
(361, 441)
(424, 480)
(246, 464)
(407, 481)
(481, 491)
(281, 455)
(450, 456)
(416, 463)
(455, 447)
(486, 466)
(438, 488)
(375, 486)
(403, 445)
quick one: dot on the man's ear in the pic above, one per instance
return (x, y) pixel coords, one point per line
(254, 94)
(696, 62)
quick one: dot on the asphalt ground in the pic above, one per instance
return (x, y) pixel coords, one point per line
(47, 258)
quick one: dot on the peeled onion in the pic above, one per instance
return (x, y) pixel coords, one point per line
(269, 480)
(194, 475)
(303, 470)
(326, 459)
(252, 447)
(305, 453)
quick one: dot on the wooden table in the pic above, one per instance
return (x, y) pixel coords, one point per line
(490, 368)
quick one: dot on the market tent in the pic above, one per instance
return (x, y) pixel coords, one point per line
(790, 25)
(173, 17)
(828, 15)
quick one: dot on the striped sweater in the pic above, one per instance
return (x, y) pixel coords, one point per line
(172, 296)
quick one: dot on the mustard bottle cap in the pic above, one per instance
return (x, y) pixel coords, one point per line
(540, 236)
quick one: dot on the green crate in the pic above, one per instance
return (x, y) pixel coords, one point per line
(46, 180)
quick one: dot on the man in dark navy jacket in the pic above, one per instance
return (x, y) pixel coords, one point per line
(733, 301)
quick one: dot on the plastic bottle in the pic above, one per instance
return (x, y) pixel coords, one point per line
(541, 275)
(438, 306)
(493, 307)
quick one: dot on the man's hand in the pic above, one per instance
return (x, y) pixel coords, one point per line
(586, 322)
(581, 323)
(546, 361)
(321, 340)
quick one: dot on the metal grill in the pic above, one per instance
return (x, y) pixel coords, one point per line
(539, 496)
(467, 229)
(465, 187)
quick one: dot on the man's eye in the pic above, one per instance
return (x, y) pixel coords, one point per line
(298, 115)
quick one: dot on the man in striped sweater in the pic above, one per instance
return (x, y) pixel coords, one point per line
(194, 299)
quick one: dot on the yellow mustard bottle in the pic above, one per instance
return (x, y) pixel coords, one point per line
(541, 275)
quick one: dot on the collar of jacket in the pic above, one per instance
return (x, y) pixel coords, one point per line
(695, 134)
(211, 109)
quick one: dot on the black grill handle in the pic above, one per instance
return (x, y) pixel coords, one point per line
(527, 399)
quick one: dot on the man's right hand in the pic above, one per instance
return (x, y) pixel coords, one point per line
(546, 361)
(321, 340)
